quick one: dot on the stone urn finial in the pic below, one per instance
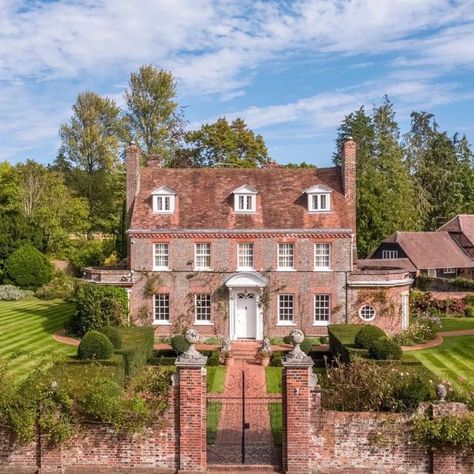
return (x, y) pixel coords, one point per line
(297, 355)
(441, 392)
(191, 355)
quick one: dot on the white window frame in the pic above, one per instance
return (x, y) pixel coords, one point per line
(285, 322)
(316, 204)
(163, 200)
(449, 271)
(322, 322)
(203, 255)
(240, 247)
(160, 268)
(405, 308)
(363, 309)
(245, 199)
(202, 322)
(161, 322)
(286, 256)
(322, 268)
(389, 254)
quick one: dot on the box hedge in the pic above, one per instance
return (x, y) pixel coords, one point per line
(341, 338)
(95, 345)
(137, 347)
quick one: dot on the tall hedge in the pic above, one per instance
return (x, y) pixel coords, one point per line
(99, 306)
(28, 267)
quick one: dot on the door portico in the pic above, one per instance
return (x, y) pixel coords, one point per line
(245, 311)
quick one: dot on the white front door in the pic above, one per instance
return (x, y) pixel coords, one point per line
(245, 314)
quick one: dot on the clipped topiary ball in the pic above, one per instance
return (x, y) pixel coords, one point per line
(179, 344)
(367, 335)
(385, 349)
(28, 267)
(95, 345)
(113, 334)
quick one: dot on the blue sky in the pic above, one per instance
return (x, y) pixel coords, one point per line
(291, 69)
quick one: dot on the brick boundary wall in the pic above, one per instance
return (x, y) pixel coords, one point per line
(350, 443)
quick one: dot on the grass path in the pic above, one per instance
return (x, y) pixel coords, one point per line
(452, 360)
(26, 329)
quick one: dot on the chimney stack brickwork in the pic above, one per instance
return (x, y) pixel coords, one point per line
(132, 169)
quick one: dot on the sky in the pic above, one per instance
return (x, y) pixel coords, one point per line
(291, 69)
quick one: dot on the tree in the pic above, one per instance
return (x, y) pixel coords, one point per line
(89, 155)
(28, 267)
(226, 144)
(9, 192)
(385, 194)
(154, 118)
(442, 171)
(48, 203)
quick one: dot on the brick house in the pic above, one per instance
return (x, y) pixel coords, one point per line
(248, 253)
(435, 254)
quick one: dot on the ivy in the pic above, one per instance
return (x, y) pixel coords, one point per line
(449, 431)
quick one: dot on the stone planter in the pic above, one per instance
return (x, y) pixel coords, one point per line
(265, 361)
(229, 361)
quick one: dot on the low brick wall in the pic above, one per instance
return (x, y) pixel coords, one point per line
(98, 448)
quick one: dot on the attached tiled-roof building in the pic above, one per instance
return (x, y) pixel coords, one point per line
(461, 230)
(248, 253)
(433, 253)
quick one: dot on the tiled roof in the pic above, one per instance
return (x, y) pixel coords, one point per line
(205, 200)
(461, 223)
(431, 250)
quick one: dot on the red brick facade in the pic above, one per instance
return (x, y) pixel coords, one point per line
(203, 212)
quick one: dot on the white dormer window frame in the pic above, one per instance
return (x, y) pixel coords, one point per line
(163, 200)
(319, 198)
(245, 199)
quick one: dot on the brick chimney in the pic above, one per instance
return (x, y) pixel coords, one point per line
(348, 170)
(132, 169)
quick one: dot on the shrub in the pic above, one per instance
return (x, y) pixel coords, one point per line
(367, 335)
(384, 349)
(307, 345)
(179, 344)
(276, 360)
(28, 267)
(113, 334)
(422, 328)
(95, 345)
(366, 385)
(137, 347)
(11, 293)
(470, 311)
(99, 306)
(213, 359)
(87, 253)
(324, 339)
(61, 286)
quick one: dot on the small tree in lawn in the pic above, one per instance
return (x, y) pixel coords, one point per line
(28, 267)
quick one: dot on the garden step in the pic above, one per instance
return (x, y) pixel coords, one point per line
(248, 468)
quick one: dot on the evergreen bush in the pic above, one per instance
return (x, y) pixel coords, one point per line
(367, 335)
(113, 334)
(28, 267)
(179, 344)
(385, 349)
(95, 345)
(99, 306)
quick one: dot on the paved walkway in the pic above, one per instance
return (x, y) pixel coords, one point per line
(438, 340)
(259, 446)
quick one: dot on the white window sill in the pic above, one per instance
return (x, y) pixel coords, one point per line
(203, 323)
(237, 211)
(284, 269)
(285, 324)
(325, 211)
(245, 269)
(161, 269)
(163, 212)
(322, 269)
(161, 323)
(321, 323)
(202, 269)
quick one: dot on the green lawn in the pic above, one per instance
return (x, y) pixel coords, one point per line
(273, 379)
(26, 329)
(456, 324)
(275, 410)
(216, 379)
(453, 360)
(213, 413)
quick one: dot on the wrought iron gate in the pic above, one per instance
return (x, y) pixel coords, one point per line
(244, 423)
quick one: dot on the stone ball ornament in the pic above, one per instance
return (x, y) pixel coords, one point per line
(192, 336)
(297, 336)
(441, 392)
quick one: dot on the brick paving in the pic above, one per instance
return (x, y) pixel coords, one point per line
(259, 446)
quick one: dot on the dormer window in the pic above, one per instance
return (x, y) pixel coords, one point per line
(163, 200)
(319, 198)
(245, 199)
